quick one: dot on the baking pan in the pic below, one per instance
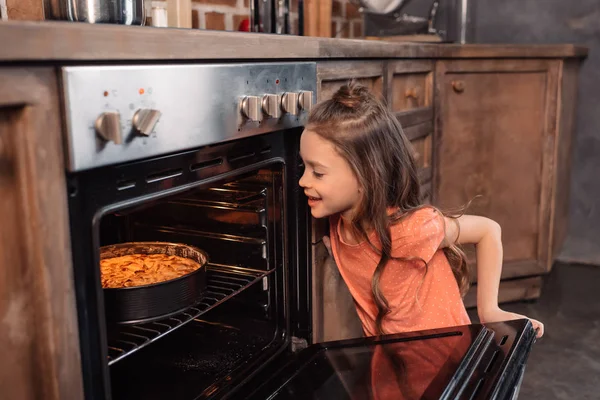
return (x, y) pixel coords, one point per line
(138, 304)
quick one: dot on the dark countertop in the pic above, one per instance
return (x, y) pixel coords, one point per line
(66, 41)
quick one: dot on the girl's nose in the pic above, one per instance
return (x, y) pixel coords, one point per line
(303, 180)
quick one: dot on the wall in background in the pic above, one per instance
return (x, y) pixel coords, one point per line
(559, 21)
(346, 21)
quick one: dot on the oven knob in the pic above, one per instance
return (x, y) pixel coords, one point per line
(305, 100)
(271, 105)
(250, 107)
(289, 103)
(144, 120)
(108, 127)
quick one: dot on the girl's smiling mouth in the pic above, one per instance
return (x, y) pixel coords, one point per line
(313, 201)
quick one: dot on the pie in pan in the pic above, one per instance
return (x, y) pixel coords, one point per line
(143, 269)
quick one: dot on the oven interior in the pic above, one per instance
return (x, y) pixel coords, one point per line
(237, 202)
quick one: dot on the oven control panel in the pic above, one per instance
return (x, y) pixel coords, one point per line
(116, 114)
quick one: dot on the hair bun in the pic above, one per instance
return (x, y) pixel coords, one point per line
(351, 95)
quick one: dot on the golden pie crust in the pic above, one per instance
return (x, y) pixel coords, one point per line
(143, 269)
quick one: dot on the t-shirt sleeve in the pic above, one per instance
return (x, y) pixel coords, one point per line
(419, 235)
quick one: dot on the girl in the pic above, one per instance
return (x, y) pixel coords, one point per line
(397, 256)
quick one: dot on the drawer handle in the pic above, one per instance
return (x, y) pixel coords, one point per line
(458, 86)
(412, 92)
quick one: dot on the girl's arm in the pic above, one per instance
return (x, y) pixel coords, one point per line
(486, 235)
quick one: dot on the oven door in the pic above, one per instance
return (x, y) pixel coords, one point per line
(472, 361)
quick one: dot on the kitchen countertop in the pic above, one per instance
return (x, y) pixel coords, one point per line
(66, 41)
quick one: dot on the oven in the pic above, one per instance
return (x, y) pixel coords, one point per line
(208, 156)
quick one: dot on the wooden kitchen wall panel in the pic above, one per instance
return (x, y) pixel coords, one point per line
(39, 333)
(511, 290)
(334, 74)
(494, 138)
(411, 84)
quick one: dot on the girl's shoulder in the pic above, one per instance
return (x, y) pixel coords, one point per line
(423, 224)
(419, 218)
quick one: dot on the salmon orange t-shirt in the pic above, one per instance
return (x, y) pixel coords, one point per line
(420, 297)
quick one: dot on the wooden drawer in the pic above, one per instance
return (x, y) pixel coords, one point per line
(411, 85)
(331, 75)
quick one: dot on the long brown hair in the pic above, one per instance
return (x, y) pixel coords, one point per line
(369, 137)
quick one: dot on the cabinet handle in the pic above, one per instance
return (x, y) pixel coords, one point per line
(458, 86)
(412, 92)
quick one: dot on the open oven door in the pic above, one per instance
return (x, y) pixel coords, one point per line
(465, 362)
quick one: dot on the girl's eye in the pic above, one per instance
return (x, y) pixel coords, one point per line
(317, 175)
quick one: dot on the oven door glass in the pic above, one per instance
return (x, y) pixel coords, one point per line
(469, 362)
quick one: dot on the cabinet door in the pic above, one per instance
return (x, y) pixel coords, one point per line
(38, 336)
(495, 138)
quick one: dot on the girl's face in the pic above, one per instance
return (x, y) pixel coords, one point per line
(328, 180)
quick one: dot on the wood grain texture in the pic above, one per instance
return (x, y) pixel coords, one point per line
(494, 138)
(422, 149)
(414, 132)
(331, 75)
(410, 84)
(317, 18)
(563, 153)
(79, 41)
(414, 117)
(39, 334)
(25, 10)
(513, 290)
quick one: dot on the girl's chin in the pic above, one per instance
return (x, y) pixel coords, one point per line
(317, 213)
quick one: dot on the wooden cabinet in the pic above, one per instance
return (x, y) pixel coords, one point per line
(38, 335)
(497, 136)
(410, 96)
(494, 130)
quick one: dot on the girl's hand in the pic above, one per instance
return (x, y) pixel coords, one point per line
(497, 315)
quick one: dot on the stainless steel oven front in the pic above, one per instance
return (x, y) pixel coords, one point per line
(202, 155)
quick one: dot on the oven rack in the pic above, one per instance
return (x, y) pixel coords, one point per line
(223, 282)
